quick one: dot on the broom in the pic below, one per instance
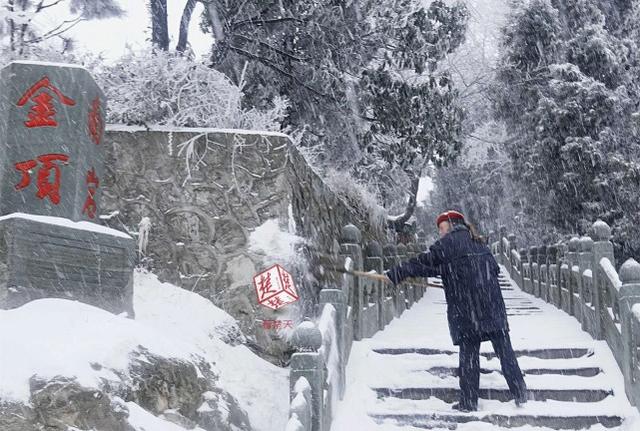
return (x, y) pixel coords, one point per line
(371, 275)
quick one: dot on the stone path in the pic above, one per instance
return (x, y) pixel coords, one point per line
(405, 376)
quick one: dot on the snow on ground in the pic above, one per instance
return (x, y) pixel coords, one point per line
(142, 420)
(425, 325)
(51, 337)
(261, 388)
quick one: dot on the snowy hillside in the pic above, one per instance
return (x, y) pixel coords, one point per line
(56, 340)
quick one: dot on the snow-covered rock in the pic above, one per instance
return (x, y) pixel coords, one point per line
(67, 364)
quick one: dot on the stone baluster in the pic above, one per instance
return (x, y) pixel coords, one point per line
(585, 258)
(502, 234)
(553, 275)
(571, 257)
(350, 248)
(542, 272)
(307, 362)
(374, 261)
(515, 269)
(629, 296)
(419, 286)
(390, 257)
(602, 247)
(533, 269)
(407, 288)
(573, 251)
(524, 260)
(422, 241)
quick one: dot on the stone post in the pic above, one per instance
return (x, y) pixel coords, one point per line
(419, 286)
(308, 363)
(391, 259)
(553, 275)
(533, 269)
(502, 234)
(513, 268)
(512, 241)
(407, 288)
(571, 258)
(53, 121)
(602, 248)
(628, 297)
(51, 164)
(585, 259)
(350, 247)
(542, 272)
(422, 240)
(524, 259)
(336, 298)
(574, 250)
(373, 261)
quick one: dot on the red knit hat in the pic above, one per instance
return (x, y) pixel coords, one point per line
(449, 215)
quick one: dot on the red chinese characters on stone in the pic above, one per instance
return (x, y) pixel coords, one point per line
(275, 288)
(42, 113)
(95, 124)
(93, 183)
(47, 187)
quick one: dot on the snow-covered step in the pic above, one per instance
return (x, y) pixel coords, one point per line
(452, 394)
(405, 377)
(450, 421)
(580, 371)
(437, 414)
(552, 353)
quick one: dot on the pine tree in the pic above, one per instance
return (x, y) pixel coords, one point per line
(566, 91)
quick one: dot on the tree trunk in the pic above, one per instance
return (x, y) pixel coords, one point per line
(397, 222)
(183, 38)
(159, 26)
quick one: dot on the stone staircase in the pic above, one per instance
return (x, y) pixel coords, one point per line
(405, 377)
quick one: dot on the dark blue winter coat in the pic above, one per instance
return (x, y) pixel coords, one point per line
(470, 279)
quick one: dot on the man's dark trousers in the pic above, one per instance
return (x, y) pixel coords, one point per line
(469, 370)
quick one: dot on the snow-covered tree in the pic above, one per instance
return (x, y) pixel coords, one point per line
(567, 90)
(25, 23)
(361, 76)
(163, 88)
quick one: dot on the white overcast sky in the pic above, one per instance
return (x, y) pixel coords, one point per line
(112, 36)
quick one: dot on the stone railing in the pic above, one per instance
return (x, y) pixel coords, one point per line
(354, 309)
(580, 278)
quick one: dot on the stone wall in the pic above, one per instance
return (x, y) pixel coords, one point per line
(204, 192)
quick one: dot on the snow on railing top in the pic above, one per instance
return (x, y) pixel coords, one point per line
(611, 273)
(300, 408)
(329, 348)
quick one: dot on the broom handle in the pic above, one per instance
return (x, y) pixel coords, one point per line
(374, 276)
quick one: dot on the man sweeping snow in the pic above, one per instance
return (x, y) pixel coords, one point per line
(475, 307)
